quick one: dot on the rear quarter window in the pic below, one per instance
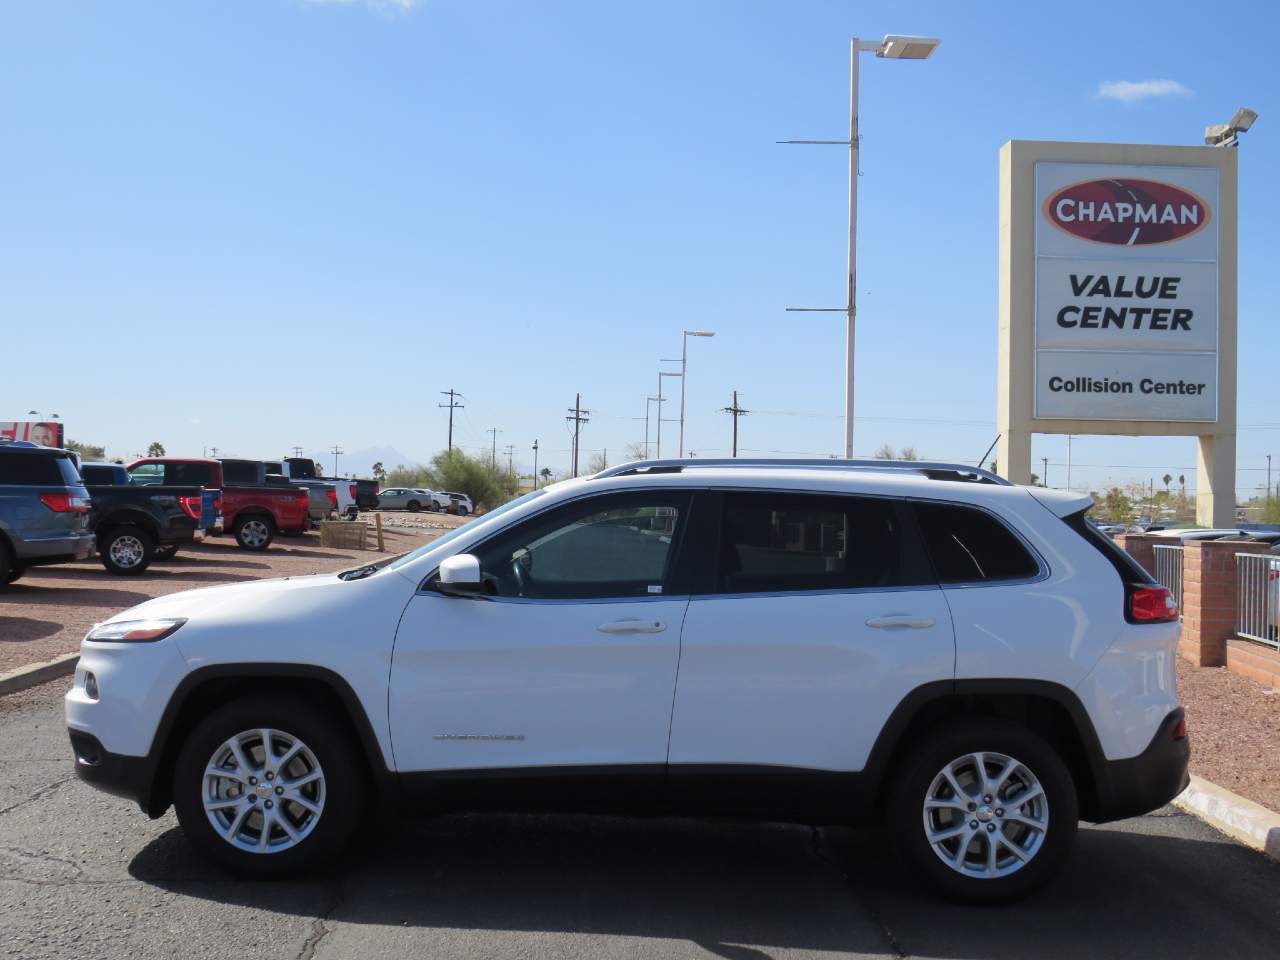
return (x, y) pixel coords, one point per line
(25, 469)
(968, 545)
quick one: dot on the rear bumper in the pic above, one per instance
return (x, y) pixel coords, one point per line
(1137, 785)
(60, 549)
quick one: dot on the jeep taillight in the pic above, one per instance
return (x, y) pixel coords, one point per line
(353, 491)
(65, 503)
(192, 506)
(1151, 604)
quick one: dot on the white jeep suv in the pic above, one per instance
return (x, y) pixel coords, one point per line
(813, 641)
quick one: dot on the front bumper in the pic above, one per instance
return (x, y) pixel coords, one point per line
(1138, 785)
(114, 773)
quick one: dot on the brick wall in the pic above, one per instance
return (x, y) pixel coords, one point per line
(1138, 546)
(1209, 597)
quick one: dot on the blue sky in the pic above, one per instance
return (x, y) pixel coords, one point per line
(274, 222)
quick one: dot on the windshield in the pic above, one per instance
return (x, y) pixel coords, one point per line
(465, 528)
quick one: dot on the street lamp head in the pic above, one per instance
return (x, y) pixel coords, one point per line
(1227, 134)
(699, 333)
(895, 47)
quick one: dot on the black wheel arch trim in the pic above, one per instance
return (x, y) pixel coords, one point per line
(147, 787)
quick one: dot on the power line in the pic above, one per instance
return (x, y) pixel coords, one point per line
(451, 406)
(737, 412)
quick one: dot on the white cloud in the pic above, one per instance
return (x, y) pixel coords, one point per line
(1133, 91)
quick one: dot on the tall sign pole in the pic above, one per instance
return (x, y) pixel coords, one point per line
(851, 292)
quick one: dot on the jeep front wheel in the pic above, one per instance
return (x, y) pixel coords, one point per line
(985, 811)
(268, 786)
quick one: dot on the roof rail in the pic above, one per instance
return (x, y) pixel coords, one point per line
(934, 470)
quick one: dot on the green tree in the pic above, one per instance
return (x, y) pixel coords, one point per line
(87, 451)
(1168, 479)
(909, 453)
(886, 452)
(1117, 506)
(545, 473)
(156, 449)
(379, 471)
(488, 485)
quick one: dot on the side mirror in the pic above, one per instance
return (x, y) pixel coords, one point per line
(460, 574)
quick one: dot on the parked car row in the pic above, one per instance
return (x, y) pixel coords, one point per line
(415, 499)
(56, 509)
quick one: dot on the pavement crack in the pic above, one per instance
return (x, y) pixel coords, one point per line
(320, 925)
(819, 851)
(39, 794)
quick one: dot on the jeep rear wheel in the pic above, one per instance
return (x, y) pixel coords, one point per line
(269, 785)
(126, 551)
(413, 506)
(985, 811)
(254, 533)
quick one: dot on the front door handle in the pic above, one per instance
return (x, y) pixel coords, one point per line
(898, 621)
(632, 626)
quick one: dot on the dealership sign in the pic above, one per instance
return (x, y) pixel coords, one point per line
(1126, 292)
(47, 433)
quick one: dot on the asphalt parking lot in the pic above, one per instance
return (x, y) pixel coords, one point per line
(83, 874)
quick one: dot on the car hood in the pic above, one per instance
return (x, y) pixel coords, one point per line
(243, 598)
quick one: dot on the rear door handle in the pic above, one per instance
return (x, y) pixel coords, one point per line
(899, 621)
(632, 626)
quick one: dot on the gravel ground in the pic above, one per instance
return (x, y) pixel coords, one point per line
(1234, 724)
(45, 614)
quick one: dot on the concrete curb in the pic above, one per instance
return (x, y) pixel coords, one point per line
(1250, 823)
(36, 673)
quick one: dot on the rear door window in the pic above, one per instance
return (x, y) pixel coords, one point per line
(968, 545)
(99, 476)
(188, 474)
(773, 542)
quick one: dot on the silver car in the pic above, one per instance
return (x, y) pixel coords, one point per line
(404, 498)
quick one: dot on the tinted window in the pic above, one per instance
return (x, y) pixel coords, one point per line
(188, 474)
(619, 546)
(776, 542)
(36, 469)
(240, 471)
(971, 546)
(99, 476)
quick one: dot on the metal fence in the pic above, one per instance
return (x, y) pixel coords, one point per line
(1169, 570)
(1258, 597)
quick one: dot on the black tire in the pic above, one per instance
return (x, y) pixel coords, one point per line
(345, 784)
(916, 774)
(9, 572)
(254, 532)
(126, 551)
(462, 510)
(413, 506)
(165, 552)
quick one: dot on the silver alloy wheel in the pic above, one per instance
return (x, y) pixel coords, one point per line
(986, 815)
(126, 551)
(263, 791)
(254, 533)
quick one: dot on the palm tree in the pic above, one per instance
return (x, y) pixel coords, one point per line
(545, 472)
(1167, 480)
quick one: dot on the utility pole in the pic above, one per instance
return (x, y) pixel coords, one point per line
(297, 451)
(335, 451)
(535, 464)
(647, 401)
(661, 374)
(452, 405)
(1044, 477)
(737, 412)
(1268, 476)
(510, 450)
(493, 457)
(684, 370)
(214, 451)
(577, 415)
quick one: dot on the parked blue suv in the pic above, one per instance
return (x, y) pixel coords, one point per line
(44, 509)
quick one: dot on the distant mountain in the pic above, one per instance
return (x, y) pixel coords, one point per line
(359, 463)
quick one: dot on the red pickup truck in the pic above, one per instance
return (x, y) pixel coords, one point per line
(253, 514)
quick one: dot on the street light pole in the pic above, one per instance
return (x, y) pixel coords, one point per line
(661, 374)
(892, 47)
(684, 369)
(647, 401)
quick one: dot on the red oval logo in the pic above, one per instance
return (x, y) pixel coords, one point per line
(1131, 213)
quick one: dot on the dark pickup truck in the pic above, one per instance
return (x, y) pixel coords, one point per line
(136, 524)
